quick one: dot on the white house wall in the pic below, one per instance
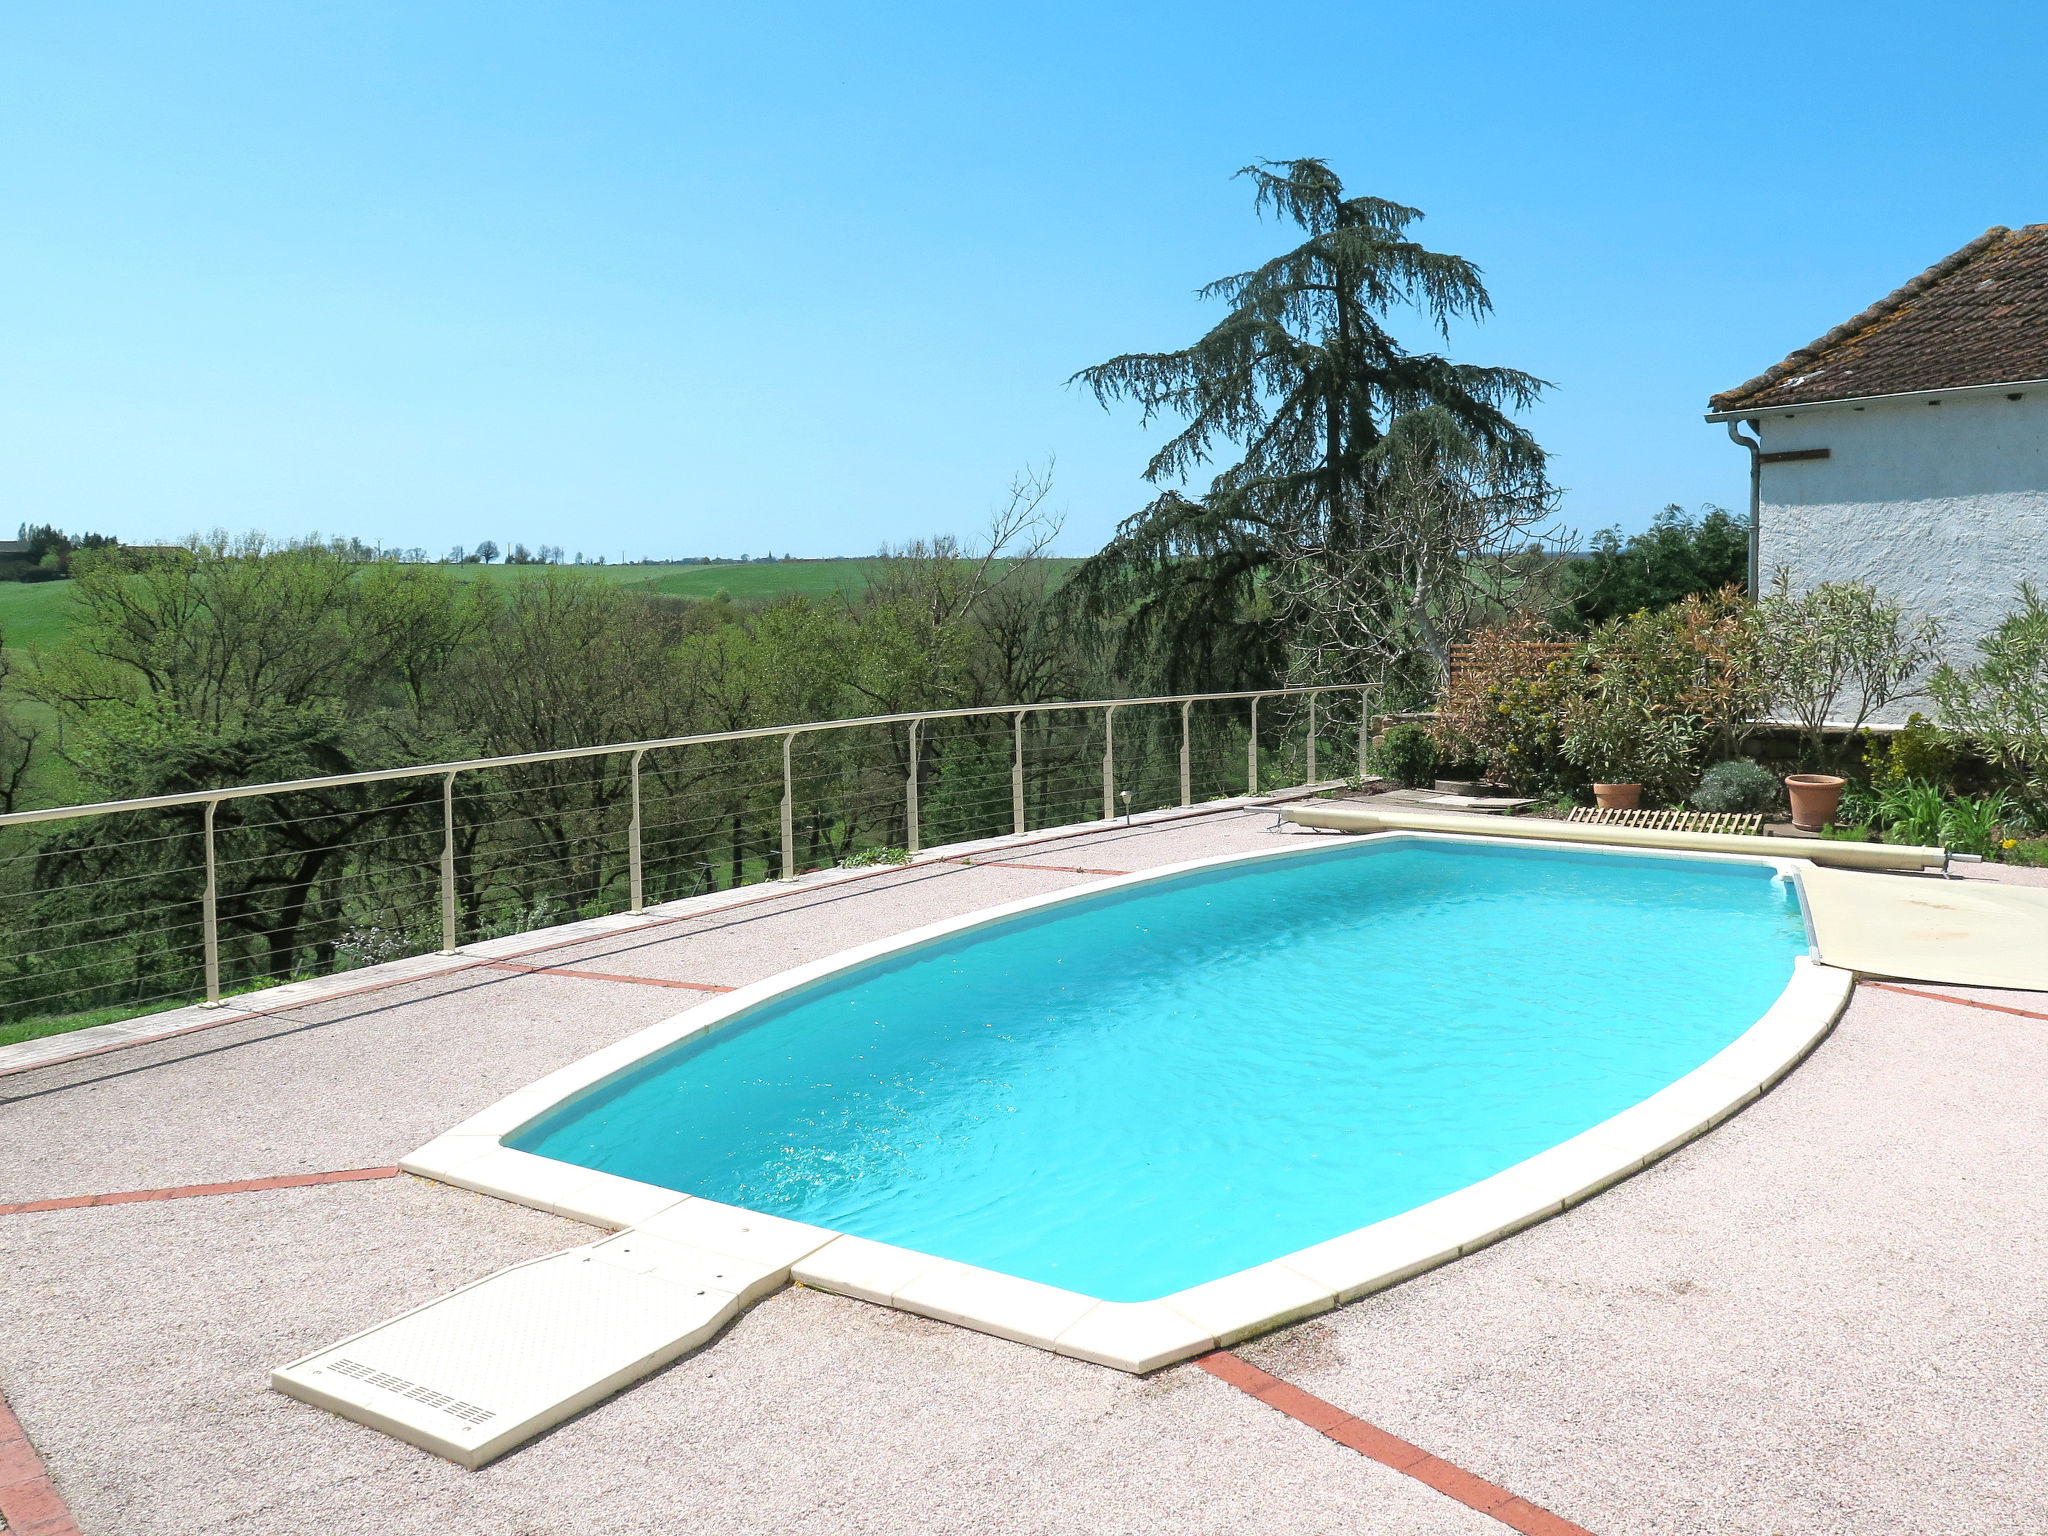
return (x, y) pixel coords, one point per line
(1943, 507)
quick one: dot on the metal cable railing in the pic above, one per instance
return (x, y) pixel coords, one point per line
(100, 907)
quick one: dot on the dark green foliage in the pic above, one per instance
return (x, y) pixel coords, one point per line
(1407, 755)
(1737, 786)
(1917, 812)
(1674, 557)
(237, 663)
(1339, 426)
(49, 552)
(1918, 750)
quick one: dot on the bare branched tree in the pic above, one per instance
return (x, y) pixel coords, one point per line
(918, 620)
(1443, 544)
(18, 742)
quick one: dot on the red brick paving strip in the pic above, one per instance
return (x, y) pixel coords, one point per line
(1388, 1450)
(1960, 1002)
(29, 1501)
(638, 981)
(191, 1191)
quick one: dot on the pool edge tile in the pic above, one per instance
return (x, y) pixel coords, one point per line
(608, 1200)
(445, 1155)
(1358, 1263)
(774, 1240)
(520, 1177)
(1023, 1311)
(505, 1116)
(1575, 1170)
(1484, 1212)
(861, 1268)
(1236, 1306)
(1135, 1336)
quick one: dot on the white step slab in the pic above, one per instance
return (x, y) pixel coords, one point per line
(488, 1367)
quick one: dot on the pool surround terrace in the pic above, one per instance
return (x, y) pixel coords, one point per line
(1137, 1337)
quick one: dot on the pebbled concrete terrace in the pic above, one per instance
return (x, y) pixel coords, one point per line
(1827, 1316)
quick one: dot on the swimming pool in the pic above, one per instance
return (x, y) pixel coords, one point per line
(1129, 1093)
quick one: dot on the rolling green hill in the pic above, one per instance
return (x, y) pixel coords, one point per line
(37, 614)
(34, 613)
(813, 578)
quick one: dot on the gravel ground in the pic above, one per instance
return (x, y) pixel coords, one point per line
(1829, 1316)
(137, 1358)
(1826, 1317)
(351, 1083)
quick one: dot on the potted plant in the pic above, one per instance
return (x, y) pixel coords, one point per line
(1815, 799)
(1617, 797)
(1623, 746)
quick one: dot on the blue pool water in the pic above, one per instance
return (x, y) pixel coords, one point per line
(1133, 1093)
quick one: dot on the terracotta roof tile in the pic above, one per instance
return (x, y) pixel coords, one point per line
(1977, 317)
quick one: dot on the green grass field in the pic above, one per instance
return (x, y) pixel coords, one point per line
(34, 613)
(743, 583)
(37, 615)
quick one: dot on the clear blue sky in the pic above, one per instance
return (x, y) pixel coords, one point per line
(655, 279)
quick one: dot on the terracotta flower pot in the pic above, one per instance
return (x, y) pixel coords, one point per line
(1815, 799)
(1618, 797)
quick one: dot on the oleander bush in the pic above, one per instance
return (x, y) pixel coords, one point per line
(1999, 707)
(1839, 651)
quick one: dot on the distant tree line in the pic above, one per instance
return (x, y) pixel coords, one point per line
(237, 661)
(43, 553)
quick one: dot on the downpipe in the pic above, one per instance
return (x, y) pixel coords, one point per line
(1756, 503)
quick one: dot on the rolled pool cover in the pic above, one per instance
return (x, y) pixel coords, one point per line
(1820, 850)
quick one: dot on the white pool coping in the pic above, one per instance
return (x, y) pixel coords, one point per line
(1137, 1337)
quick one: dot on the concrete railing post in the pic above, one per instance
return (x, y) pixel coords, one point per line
(1187, 777)
(448, 864)
(1251, 754)
(1109, 763)
(1017, 773)
(788, 809)
(633, 881)
(910, 789)
(208, 916)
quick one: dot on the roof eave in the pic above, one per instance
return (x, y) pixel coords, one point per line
(1738, 413)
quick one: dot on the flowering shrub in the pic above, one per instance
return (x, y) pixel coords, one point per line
(370, 945)
(1916, 751)
(1504, 705)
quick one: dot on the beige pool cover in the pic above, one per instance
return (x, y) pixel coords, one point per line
(1967, 932)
